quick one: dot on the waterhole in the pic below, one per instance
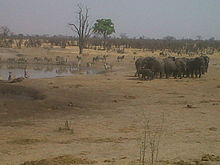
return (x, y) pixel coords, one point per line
(35, 71)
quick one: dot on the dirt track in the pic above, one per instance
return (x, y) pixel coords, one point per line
(105, 113)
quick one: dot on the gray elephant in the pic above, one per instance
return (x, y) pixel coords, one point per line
(138, 63)
(181, 66)
(155, 64)
(206, 59)
(170, 66)
(195, 66)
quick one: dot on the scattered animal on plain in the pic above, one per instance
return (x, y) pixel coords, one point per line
(107, 66)
(120, 58)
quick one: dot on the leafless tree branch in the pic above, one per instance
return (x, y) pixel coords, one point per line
(83, 28)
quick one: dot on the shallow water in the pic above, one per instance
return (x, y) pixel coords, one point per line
(41, 71)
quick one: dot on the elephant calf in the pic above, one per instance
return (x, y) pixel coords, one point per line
(146, 73)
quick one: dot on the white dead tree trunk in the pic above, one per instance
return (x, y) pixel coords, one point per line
(82, 28)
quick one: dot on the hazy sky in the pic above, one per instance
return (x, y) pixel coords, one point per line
(151, 18)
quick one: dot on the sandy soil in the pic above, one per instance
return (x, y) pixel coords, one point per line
(105, 115)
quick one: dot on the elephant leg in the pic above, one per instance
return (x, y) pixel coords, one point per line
(184, 74)
(200, 73)
(161, 75)
(192, 75)
(196, 73)
(180, 75)
(175, 75)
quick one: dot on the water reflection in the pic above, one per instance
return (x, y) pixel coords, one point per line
(41, 71)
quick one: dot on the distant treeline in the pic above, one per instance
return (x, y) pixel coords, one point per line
(166, 44)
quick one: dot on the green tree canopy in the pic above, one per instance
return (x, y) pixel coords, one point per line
(104, 27)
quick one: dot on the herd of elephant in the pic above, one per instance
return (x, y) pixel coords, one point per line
(151, 67)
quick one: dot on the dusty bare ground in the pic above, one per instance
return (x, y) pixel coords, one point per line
(105, 114)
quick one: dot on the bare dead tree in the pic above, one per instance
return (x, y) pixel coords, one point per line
(5, 31)
(150, 142)
(82, 27)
